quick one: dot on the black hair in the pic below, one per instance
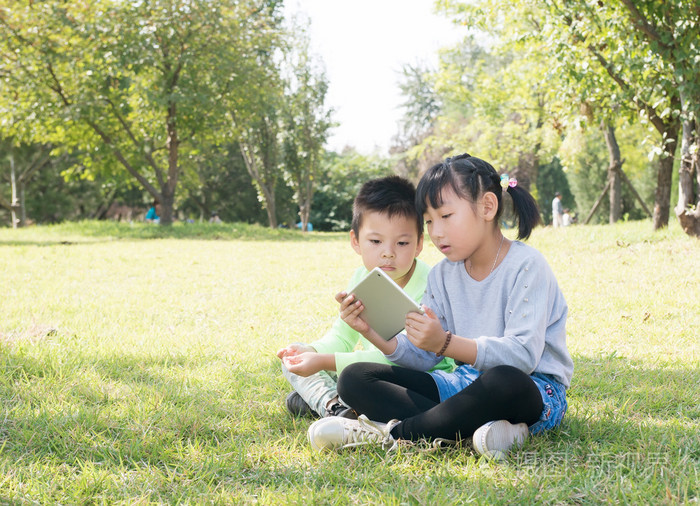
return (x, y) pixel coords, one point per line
(391, 195)
(470, 178)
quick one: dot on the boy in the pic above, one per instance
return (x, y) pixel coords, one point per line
(386, 232)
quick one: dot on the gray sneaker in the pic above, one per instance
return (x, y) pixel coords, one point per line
(298, 406)
(494, 439)
(338, 409)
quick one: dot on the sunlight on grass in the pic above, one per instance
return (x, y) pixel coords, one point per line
(138, 367)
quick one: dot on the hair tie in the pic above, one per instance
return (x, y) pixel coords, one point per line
(507, 182)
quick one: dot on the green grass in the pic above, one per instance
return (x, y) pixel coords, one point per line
(138, 367)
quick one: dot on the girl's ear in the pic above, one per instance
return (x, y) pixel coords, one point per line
(489, 206)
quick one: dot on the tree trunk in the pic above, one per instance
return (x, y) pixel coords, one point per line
(270, 206)
(22, 205)
(662, 196)
(14, 204)
(615, 164)
(268, 191)
(688, 194)
(167, 203)
(304, 208)
(305, 198)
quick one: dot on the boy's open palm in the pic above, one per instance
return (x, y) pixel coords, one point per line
(294, 349)
(305, 364)
(425, 331)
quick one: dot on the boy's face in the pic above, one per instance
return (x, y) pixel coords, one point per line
(390, 244)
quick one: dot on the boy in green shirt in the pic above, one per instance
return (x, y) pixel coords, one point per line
(387, 232)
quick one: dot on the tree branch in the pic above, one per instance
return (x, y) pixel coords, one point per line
(33, 168)
(120, 156)
(58, 89)
(641, 104)
(4, 203)
(638, 102)
(127, 129)
(643, 24)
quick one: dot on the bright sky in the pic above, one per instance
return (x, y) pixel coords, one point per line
(364, 44)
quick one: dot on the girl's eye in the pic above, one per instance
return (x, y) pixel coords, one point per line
(445, 216)
(428, 222)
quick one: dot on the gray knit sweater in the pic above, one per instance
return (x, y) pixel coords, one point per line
(517, 315)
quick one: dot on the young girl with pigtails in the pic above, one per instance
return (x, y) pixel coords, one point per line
(492, 304)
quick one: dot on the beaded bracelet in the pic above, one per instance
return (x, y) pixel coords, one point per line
(448, 338)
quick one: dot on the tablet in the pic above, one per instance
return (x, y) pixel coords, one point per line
(386, 304)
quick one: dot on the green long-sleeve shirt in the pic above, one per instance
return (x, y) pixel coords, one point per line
(342, 341)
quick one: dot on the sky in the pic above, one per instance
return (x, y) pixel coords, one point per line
(364, 44)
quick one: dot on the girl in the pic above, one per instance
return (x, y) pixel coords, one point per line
(492, 304)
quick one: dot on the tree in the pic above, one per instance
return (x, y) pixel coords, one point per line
(494, 103)
(24, 161)
(648, 76)
(339, 183)
(672, 31)
(138, 79)
(307, 122)
(604, 53)
(254, 113)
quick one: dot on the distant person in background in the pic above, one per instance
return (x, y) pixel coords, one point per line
(566, 218)
(215, 218)
(309, 227)
(557, 211)
(153, 214)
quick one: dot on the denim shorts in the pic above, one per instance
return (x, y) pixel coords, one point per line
(553, 393)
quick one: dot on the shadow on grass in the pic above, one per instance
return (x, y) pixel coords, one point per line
(130, 412)
(71, 233)
(124, 410)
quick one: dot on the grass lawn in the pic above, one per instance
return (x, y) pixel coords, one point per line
(138, 366)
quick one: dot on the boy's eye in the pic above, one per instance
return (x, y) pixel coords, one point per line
(428, 222)
(445, 216)
(403, 243)
(374, 241)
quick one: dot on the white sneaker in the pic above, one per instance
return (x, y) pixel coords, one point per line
(493, 440)
(335, 433)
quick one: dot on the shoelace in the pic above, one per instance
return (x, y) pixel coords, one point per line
(366, 431)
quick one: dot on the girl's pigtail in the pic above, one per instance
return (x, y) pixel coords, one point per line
(526, 211)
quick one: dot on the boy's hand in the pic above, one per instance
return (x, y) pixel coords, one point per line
(308, 363)
(294, 349)
(350, 309)
(425, 331)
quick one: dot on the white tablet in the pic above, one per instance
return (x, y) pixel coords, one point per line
(386, 304)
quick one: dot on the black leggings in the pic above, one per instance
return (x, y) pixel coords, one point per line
(383, 392)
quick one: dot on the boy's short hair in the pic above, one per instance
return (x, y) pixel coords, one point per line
(391, 195)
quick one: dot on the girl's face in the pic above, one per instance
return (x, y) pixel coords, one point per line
(456, 227)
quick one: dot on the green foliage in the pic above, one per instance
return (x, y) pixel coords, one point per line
(307, 121)
(218, 181)
(341, 180)
(134, 80)
(543, 69)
